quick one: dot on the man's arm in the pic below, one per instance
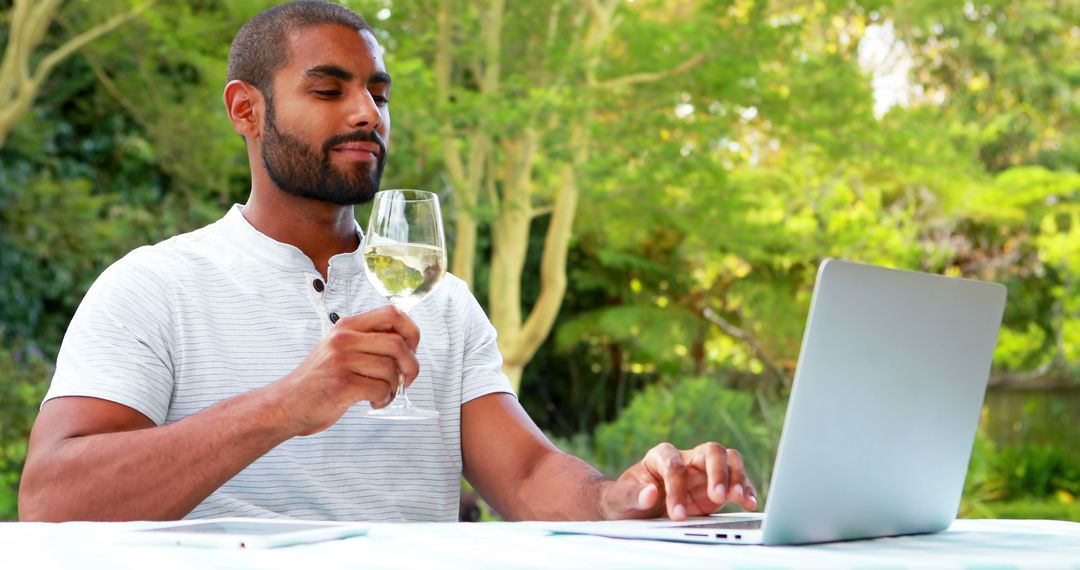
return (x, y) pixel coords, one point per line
(524, 477)
(90, 459)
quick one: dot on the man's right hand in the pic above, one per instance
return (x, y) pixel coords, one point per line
(364, 357)
(92, 459)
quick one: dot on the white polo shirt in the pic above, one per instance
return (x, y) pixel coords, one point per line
(174, 328)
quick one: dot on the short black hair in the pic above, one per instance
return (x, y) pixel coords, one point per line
(260, 47)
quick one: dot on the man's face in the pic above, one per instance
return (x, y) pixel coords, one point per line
(328, 120)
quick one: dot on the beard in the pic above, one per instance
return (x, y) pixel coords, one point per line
(303, 171)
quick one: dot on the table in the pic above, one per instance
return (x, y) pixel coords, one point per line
(967, 544)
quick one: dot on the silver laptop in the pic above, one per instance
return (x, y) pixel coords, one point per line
(881, 418)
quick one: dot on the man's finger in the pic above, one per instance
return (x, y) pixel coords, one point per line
(751, 501)
(369, 365)
(712, 458)
(375, 376)
(385, 319)
(701, 503)
(386, 345)
(378, 397)
(666, 463)
(738, 483)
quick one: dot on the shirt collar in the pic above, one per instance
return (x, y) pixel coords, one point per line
(283, 255)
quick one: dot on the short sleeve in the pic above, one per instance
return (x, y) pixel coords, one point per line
(118, 345)
(482, 366)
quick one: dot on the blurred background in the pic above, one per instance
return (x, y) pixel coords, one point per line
(637, 191)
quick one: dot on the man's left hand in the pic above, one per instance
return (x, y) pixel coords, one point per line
(679, 483)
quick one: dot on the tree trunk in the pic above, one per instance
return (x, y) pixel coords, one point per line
(552, 273)
(510, 244)
(508, 178)
(513, 372)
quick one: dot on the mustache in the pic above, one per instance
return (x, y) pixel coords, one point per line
(356, 136)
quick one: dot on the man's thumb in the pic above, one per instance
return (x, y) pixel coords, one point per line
(631, 497)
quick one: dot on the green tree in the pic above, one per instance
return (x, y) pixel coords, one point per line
(1001, 78)
(523, 112)
(1006, 75)
(24, 70)
(704, 262)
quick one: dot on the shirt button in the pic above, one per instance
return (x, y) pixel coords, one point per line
(334, 317)
(318, 285)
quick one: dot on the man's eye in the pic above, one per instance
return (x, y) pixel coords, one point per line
(380, 100)
(328, 93)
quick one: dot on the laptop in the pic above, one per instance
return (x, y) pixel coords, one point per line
(881, 419)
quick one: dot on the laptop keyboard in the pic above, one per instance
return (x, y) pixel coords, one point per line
(745, 524)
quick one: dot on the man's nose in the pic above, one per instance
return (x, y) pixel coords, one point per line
(364, 111)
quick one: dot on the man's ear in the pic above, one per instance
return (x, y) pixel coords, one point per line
(245, 105)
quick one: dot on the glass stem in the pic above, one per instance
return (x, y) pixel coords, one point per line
(401, 395)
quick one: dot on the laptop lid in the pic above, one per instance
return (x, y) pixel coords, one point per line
(881, 418)
(885, 404)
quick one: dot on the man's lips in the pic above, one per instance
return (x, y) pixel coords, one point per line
(358, 150)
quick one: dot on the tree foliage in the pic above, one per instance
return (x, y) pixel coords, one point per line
(22, 71)
(722, 234)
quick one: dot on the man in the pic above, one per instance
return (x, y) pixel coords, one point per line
(219, 373)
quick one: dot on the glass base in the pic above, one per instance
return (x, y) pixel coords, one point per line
(403, 412)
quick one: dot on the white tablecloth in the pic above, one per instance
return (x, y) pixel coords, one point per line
(968, 544)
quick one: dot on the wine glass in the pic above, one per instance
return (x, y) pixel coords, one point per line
(404, 259)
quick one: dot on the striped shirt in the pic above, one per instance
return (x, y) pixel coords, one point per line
(177, 327)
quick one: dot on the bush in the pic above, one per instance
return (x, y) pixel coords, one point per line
(687, 413)
(24, 377)
(1064, 508)
(1014, 481)
(1025, 480)
(1037, 471)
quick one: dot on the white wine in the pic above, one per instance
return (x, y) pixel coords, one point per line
(405, 272)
